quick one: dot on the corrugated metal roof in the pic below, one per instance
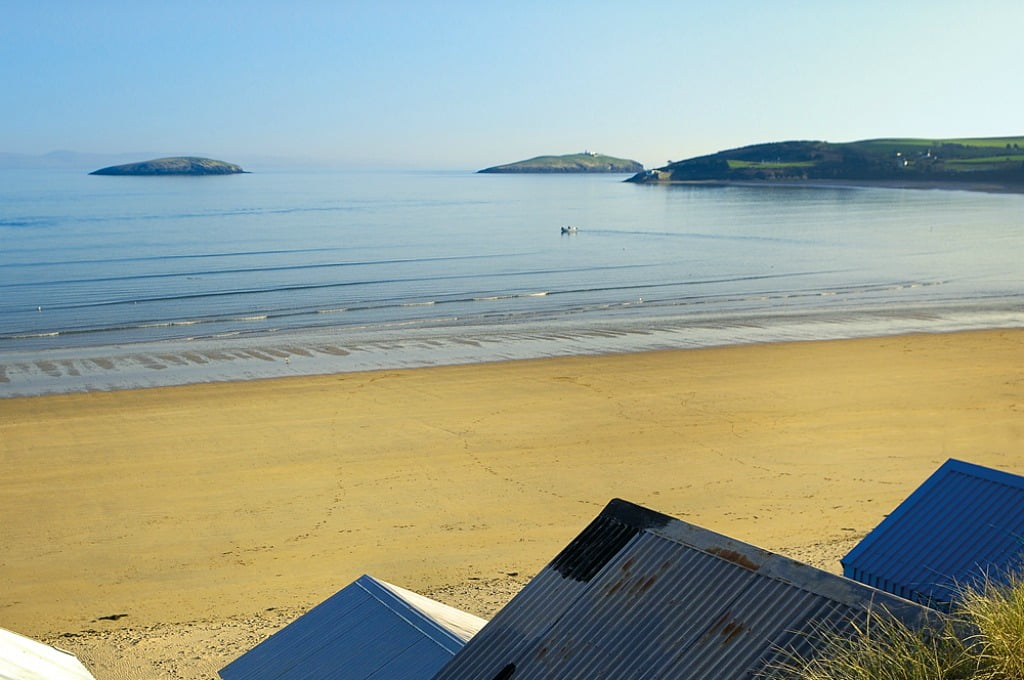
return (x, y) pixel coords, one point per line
(639, 594)
(23, 658)
(369, 630)
(965, 522)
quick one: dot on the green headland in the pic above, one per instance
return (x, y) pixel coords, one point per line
(577, 162)
(178, 165)
(982, 163)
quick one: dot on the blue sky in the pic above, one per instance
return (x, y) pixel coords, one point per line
(472, 84)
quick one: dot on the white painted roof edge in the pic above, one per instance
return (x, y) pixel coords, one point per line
(22, 658)
(459, 623)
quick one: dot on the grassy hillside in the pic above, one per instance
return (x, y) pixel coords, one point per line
(995, 160)
(577, 162)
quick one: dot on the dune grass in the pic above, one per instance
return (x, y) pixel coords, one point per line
(982, 638)
(997, 614)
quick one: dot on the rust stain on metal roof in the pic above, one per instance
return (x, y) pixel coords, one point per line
(731, 631)
(735, 558)
(726, 628)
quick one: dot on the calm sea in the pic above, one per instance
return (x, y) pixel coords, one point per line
(113, 282)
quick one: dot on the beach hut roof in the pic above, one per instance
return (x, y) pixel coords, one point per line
(23, 658)
(640, 594)
(369, 629)
(965, 523)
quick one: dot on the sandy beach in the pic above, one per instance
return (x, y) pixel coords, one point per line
(163, 532)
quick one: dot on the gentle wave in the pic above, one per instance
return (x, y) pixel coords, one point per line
(87, 263)
(701, 235)
(206, 215)
(169, 324)
(29, 222)
(514, 296)
(168, 258)
(222, 293)
(28, 336)
(628, 298)
(241, 270)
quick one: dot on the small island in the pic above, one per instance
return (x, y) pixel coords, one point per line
(992, 164)
(588, 161)
(178, 165)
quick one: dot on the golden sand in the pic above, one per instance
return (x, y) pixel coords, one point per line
(161, 532)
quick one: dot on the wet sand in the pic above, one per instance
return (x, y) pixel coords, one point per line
(162, 532)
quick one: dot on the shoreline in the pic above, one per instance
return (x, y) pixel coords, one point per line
(332, 350)
(982, 187)
(164, 531)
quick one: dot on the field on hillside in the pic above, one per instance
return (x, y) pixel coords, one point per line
(995, 161)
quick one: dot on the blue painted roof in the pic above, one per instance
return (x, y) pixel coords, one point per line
(640, 594)
(965, 522)
(369, 630)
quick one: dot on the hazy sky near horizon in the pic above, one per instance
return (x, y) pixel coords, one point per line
(465, 85)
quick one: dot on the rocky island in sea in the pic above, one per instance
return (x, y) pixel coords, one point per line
(588, 161)
(995, 163)
(178, 165)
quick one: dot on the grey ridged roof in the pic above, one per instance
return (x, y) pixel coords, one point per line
(370, 630)
(965, 522)
(639, 594)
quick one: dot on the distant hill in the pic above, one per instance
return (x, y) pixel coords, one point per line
(993, 162)
(577, 162)
(179, 165)
(67, 160)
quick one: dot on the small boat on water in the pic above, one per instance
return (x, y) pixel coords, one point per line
(569, 230)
